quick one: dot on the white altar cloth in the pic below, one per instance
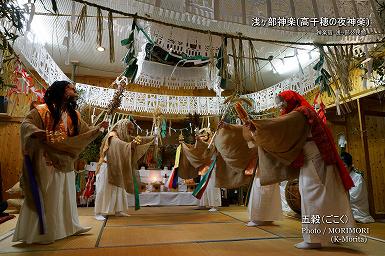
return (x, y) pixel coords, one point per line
(164, 198)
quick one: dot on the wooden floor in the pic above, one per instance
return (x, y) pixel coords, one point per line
(185, 231)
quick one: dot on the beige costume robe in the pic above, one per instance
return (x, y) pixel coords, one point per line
(323, 196)
(115, 178)
(265, 201)
(56, 182)
(233, 157)
(194, 159)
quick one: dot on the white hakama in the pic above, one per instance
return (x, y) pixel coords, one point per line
(265, 202)
(59, 199)
(212, 195)
(285, 206)
(322, 196)
(359, 199)
(110, 199)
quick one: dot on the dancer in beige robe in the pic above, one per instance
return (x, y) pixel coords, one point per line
(300, 140)
(117, 169)
(264, 204)
(52, 137)
(212, 196)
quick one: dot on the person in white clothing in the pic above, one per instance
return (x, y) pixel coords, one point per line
(211, 198)
(264, 204)
(111, 199)
(299, 139)
(52, 135)
(359, 193)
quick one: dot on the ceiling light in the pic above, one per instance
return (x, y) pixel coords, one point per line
(100, 48)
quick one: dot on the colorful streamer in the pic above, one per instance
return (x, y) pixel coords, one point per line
(35, 193)
(200, 189)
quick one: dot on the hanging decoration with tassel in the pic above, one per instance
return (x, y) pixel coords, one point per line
(253, 62)
(111, 37)
(211, 65)
(236, 73)
(80, 27)
(241, 66)
(99, 27)
(339, 60)
(367, 65)
(222, 60)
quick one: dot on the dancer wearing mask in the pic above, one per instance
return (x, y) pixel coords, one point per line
(300, 140)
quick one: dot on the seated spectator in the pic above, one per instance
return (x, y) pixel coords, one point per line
(358, 193)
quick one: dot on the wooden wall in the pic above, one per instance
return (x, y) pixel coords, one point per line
(364, 129)
(10, 146)
(376, 146)
(10, 152)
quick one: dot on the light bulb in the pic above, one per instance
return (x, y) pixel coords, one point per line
(100, 48)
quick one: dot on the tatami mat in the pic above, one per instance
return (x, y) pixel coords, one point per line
(240, 214)
(87, 240)
(271, 247)
(287, 227)
(279, 247)
(170, 231)
(5, 227)
(167, 219)
(376, 230)
(145, 235)
(86, 211)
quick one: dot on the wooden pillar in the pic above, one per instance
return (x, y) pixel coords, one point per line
(364, 141)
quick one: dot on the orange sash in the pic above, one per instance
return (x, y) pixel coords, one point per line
(59, 133)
